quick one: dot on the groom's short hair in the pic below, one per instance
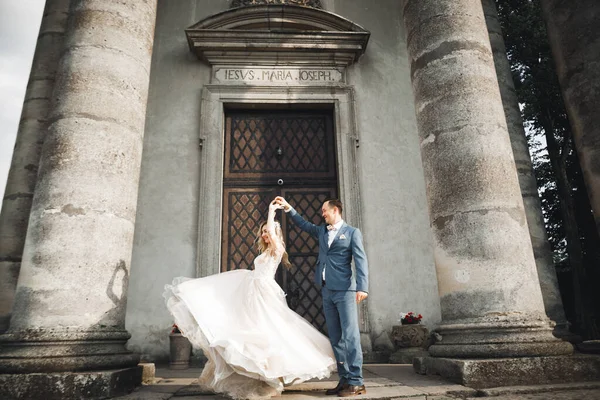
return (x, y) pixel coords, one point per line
(335, 203)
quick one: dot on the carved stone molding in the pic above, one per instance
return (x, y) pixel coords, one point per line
(277, 35)
(305, 3)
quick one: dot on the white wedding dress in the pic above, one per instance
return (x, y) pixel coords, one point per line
(255, 344)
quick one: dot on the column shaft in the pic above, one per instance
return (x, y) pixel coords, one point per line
(69, 311)
(489, 289)
(22, 176)
(574, 35)
(533, 206)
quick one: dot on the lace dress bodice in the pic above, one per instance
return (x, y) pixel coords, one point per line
(265, 265)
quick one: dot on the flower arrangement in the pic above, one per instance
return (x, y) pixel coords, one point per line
(410, 318)
(175, 329)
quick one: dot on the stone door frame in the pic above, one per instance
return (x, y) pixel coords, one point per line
(215, 98)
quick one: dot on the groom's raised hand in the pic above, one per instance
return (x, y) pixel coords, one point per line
(281, 201)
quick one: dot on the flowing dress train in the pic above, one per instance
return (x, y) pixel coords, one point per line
(255, 344)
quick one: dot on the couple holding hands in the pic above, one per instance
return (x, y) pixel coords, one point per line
(255, 344)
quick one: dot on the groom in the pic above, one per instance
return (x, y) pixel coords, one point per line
(338, 243)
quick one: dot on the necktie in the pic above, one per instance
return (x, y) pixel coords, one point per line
(331, 228)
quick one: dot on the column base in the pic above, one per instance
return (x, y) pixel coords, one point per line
(64, 350)
(70, 385)
(488, 373)
(406, 355)
(502, 350)
(499, 336)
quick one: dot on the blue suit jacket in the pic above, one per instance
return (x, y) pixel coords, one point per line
(337, 259)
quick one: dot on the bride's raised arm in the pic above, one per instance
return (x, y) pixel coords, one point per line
(271, 228)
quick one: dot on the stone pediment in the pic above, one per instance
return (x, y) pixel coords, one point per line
(277, 35)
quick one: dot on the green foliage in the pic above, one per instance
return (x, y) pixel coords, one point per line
(538, 92)
(539, 95)
(565, 204)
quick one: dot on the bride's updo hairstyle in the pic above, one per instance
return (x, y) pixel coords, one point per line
(262, 246)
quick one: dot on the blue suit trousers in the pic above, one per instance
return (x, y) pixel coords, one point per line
(341, 317)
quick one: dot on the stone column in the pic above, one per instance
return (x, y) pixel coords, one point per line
(488, 284)
(69, 310)
(30, 136)
(574, 35)
(533, 207)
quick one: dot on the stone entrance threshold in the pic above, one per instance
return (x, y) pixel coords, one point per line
(383, 381)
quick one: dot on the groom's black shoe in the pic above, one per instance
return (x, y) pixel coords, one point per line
(351, 390)
(341, 385)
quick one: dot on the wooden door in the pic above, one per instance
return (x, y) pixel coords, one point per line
(267, 154)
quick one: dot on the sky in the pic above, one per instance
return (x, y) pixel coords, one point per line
(19, 27)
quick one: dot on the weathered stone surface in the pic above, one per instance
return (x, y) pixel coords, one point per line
(547, 389)
(533, 211)
(194, 390)
(142, 394)
(307, 3)
(383, 342)
(22, 176)
(268, 36)
(177, 179)
(419, 365)
(70, 386)
(383, 381)
(62, 350)
(376, 356)
(576, 394)
(410, 335)
(148, 373)
(488, 373)
(8, 283)
(69, 312)
(407, 355)
(574, 36)
(488, 283)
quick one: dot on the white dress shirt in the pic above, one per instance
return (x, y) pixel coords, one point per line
(334, 232)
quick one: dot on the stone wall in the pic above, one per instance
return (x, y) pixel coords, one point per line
(394, 213)
(166, 229)
(396, 224)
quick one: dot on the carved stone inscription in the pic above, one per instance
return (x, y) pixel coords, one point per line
(278, 76)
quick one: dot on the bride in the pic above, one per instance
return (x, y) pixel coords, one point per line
(254, 343)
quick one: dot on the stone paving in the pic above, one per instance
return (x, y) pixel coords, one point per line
(383, 381)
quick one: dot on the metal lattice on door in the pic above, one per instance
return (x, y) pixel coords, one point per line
(246, 210)
(270, 154)
(261, 146)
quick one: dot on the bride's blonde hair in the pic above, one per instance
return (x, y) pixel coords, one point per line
(262, 246)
